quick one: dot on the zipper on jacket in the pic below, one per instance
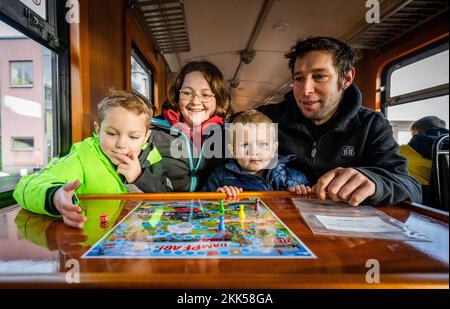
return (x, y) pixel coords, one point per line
(314, 150)
(192, 169)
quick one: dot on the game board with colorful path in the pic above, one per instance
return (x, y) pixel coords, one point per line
(200, 229)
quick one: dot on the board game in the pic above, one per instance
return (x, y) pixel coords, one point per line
(200, 229)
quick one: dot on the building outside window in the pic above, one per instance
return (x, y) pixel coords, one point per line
(26, 113)
(34, 89)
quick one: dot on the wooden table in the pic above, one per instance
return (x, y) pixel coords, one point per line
(37, 251)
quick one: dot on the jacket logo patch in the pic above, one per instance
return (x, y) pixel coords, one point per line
(348, 151)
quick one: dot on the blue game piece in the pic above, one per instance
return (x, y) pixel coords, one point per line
(221, 227)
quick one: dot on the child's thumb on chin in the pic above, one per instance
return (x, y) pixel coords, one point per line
(133, 156)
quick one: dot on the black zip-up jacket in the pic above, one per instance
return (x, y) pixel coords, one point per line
(356, 137)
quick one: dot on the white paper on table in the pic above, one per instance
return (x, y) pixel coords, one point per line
(356, 224)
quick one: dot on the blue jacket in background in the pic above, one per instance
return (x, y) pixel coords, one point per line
(423, 142)
(279, 178)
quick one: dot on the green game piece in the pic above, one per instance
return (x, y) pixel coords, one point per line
(156, 217)
(221, 209)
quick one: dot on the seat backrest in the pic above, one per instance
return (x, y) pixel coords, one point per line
(438, 195)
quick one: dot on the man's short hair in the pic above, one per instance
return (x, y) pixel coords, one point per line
(427, 123)
(343, 55)
(128, 100)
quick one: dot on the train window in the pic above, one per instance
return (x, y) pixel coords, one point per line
(21, 73)
(26, 123)
(433, 72)
(417, 86)
(141, 75)
(402, 116)
(34, 89)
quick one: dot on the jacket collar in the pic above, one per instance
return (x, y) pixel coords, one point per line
(346, 118)
(160, 122)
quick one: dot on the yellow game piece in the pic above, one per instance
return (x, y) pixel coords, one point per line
(241, 213)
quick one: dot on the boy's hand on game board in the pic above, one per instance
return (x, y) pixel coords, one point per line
(230, 191)
(300, 189)
(62, 199)
(130, 167)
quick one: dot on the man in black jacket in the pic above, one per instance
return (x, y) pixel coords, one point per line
(346, 149)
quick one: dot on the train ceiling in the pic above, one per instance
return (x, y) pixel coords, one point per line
(247, 39)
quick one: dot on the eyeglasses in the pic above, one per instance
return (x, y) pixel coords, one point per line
(189, 95)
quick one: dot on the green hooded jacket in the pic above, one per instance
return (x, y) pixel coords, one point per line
(86, 163)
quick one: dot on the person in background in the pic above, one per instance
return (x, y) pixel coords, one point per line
(418, 151)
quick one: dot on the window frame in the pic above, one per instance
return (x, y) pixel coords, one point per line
(11, 62)
(424, 94)
(22, 137)
(140, 59)
(53, 35)
(25, 20)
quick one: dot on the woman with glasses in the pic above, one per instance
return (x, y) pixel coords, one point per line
(189, 133)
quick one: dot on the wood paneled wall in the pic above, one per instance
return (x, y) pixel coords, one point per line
(106, 45)
(79, 74)
(100, 59)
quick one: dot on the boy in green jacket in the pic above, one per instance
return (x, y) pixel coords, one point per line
(115, 160)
